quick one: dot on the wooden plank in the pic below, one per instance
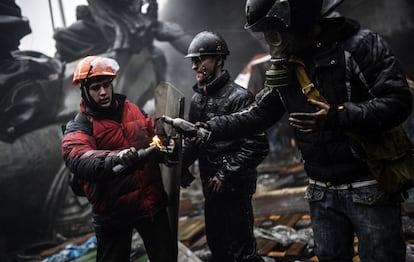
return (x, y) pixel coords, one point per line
(295, 250)
(266, 221)
(186, 207)
(276, 254)
(273, 248)
(200, 243)
(289, 220)
(190, 230)
(356, 257)
(265, 246)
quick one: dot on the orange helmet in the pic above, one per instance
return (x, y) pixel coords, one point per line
(91, 66)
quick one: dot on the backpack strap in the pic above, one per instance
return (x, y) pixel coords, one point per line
(80, 122)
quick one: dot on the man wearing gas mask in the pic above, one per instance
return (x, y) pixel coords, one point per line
(333, 79)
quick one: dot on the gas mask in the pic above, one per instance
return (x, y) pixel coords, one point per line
(283, 45)
(278, 41)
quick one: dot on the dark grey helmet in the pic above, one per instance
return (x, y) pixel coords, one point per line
(298, 15)
(328, 6)
(259, 11)
(207, 43)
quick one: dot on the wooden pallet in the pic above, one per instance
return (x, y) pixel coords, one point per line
(191, 230)
(272, 248)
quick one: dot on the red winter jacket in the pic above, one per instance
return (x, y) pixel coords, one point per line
(89, 146)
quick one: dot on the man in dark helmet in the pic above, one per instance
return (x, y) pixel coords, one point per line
(227, 169)
(341, 86)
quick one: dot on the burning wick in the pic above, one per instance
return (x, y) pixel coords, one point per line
(156, 141)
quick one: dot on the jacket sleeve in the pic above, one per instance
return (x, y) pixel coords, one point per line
(189, 153)
(253, 148)
(374, 65)
(82, 157)
(252, 152)
(261, 114)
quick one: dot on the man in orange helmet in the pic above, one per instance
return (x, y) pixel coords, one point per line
(111, 132)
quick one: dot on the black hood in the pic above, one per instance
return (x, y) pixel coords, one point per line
(335, 29)
(113, 112)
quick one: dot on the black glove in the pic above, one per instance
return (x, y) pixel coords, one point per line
(172, 153)
(128, 157)
(132, 158)
(203, 133)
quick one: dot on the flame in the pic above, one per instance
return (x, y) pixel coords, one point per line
(156, 141)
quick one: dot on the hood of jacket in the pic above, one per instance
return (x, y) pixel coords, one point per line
(114, 112)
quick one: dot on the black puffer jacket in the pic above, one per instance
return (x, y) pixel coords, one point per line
(236, 159)
(357, 73)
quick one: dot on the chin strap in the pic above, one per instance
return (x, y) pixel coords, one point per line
(85, 95)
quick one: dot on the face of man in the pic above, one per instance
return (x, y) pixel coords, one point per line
(101, 92)
(206, 68)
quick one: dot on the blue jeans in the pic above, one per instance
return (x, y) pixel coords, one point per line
(367, 212)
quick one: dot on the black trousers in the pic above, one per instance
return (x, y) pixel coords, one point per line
(229, 226)
(114, 238)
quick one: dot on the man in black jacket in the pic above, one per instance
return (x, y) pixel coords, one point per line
(344, 81)
(227, 169)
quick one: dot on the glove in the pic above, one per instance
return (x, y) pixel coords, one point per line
(132, 158)
(128, 157)
(171, 153)
(203, 133)
(169, 149)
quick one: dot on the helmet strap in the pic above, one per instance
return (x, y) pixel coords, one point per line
(86, 96)
(208, 76)
(212, 74)
(85, 92)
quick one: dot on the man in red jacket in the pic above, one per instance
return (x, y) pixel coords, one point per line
(111, 132)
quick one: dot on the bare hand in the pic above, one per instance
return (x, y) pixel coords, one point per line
(307, 122)
(215, 185)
